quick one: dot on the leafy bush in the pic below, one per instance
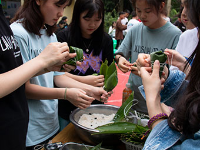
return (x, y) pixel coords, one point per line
(109, 18)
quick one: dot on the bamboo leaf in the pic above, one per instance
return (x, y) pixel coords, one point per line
(104, 68)
(97, 147)
(116, 128)
(111, 68)
(162, 57)
(111, 82)
(124, 109)
(78, 57)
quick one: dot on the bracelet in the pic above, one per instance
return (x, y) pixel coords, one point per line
(65, 94)
(118, 59)
(156, 118)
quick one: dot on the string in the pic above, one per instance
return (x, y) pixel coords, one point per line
(88, 45)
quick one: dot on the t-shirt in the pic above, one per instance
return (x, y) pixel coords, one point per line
(13, 107)
(43, 118)
(131, 23)
(141, 39)
(188, 42)
(90, 65)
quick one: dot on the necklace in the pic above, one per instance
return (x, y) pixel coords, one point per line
(87, 47)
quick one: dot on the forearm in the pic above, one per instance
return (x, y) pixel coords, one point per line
(154, 108)
(75, 77)
(13, 79)
(65, 81)
(37, 92)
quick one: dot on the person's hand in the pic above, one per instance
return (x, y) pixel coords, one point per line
(166, 109)
(94, 80)
(175, 58)
(151, 81)
(98, 93)
(53, 56)
(124, 65)
(134, 69)
(78, 98)
(143, 61)
(68, 68)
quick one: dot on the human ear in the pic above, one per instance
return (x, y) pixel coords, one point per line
(162, 7)
(38, 2)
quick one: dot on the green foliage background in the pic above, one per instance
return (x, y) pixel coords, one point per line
(112, 11)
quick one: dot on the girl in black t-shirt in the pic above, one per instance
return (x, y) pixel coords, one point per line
(13, 75)
(86, 31)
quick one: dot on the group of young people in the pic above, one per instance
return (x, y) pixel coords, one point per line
(173, 100)
(30, 99)
(31, 52)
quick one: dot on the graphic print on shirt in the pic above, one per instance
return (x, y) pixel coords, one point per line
(9, 43)
(147, 50)
(92, 62)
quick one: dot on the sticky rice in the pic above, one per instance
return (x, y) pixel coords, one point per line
(94, 120)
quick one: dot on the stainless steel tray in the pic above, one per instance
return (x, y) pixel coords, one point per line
(77, 146)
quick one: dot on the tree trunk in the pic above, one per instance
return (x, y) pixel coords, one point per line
(168, 7)
(121, 5)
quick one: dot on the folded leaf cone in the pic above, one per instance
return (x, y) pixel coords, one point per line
(162, 57)
(78, 57)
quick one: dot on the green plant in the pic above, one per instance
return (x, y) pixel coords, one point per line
(109, 18)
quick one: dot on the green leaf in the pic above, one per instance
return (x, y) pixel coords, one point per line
(112, 68)
(97, 147)
(104, 68)
(162, 57)
(78, 57)
(111, 82)
(124, 109)
(116, 128)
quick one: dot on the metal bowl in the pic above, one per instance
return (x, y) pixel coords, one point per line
(77, 146)
(87, 134)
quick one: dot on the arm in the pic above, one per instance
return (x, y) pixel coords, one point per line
(121, 26)
(55, 52)
(96, 92)
(123, 64)
(152, 87)
(93, 80)
(76, 96)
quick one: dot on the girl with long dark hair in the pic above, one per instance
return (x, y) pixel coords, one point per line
(86, 31)
(181, 129)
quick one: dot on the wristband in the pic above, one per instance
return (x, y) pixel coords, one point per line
(118, 59)
(156, 118)
(65, 94)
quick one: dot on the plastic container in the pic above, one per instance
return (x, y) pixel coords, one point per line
(126, 92)
(131, 146)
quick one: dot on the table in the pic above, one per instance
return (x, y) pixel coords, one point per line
(68, 134)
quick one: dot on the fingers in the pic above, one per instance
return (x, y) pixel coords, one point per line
(124, 68)
(68, 68)
(156, 68)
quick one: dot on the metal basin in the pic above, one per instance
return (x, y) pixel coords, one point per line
(77, 146)
(87, 134)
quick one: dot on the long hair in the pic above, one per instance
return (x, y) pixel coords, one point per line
(186, 116)
(31, 17)
(92, 6)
